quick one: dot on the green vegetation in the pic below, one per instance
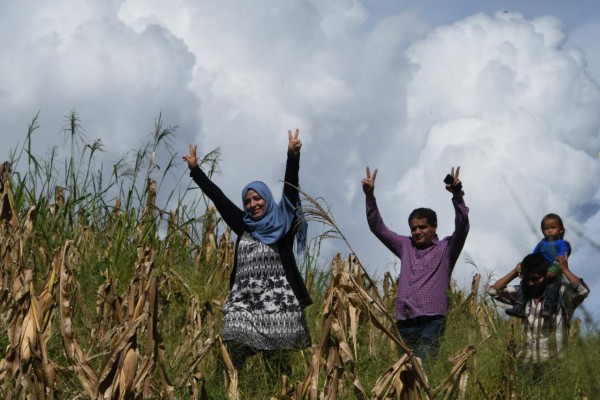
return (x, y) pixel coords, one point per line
(112, 286)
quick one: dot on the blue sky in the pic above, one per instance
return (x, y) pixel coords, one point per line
(409, 87)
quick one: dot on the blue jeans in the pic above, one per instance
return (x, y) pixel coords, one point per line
(422, 334)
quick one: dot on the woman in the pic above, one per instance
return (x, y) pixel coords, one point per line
(264, 309)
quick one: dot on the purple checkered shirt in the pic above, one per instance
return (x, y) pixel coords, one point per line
(424, 273)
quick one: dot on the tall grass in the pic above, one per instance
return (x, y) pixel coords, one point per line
(112, 281)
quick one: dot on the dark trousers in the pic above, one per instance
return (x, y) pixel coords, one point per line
(277, 360)
(551, 293)
(423, 334)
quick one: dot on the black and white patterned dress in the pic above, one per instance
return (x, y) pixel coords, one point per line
(262, 311)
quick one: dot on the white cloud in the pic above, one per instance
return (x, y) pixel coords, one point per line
(69, 56)
(502, 98)
(584, 37)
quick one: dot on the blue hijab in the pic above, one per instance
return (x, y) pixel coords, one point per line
(275, 221)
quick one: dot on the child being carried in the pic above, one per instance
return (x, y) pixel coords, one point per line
(551, 246)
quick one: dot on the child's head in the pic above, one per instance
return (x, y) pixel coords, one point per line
(552, 227)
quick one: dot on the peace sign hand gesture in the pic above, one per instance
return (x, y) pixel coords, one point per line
(192, 160)
(453, 183)
(368, 184)
(294, 144)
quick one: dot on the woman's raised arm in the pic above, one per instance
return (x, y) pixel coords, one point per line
(232, 214)
(292, 167)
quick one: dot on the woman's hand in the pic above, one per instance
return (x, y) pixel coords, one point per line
(191, 159)
(294, 144)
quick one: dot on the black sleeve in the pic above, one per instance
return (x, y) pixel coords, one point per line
(232, 214)
(292, 168)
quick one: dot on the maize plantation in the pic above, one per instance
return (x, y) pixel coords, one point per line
(105, 294)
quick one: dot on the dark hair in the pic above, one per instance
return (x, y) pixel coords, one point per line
(426, 213)
(557, 218)
(534, 264)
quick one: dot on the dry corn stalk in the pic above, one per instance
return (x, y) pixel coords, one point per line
(73, 350)
(147, 218)
(197, 358)
(150, 197)
(398, 382)
(456, 379)
(346, 299)
(309, 388)
(472, 299)
(115, 369)
(28, 223)
(28, 366)
(209, 241)
(108, 308)
(8, 213)
(192, 342)
(197, 387)
(226, 253)
(231, 374)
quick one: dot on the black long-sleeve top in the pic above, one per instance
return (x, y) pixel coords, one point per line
(234, 218)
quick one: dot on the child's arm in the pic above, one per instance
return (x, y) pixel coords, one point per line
(553, 270)
(563, 248)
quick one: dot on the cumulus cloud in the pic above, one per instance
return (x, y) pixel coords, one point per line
(73, 56)
(505, 97)
(584, 38)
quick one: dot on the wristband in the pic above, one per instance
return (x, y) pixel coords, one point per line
(457, 189)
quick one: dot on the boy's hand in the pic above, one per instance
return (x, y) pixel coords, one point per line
(368, 184)
(518, 270)
(549, 274)
(563, 264)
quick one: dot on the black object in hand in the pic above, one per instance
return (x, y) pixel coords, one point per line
(448, 179)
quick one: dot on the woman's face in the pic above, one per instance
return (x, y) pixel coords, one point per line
(254, 204)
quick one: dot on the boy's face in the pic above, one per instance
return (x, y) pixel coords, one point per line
(536, 284)
(551, 229)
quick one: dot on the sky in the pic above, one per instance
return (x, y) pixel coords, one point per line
(509, 90)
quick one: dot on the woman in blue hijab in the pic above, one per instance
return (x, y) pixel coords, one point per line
(264, 309)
